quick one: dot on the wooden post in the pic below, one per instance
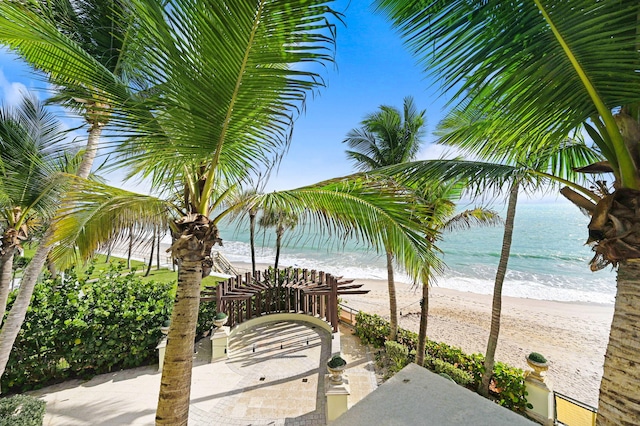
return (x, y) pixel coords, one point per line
(334, 303)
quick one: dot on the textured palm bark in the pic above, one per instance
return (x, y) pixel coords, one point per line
(12, 325)
(6, 270)
(252, 237)
(279, 233)
(424, 317)
(91, 150)
(194, 236)
(496, 309)
(175, 385)
(619, 402)
(393, 303)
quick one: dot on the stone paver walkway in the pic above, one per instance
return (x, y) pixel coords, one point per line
(274, 376)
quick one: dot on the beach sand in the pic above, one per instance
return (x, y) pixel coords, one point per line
(572, 336)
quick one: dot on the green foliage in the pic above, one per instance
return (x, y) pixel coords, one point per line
(336, 361)
(22, 410)
(508, 382)
(79, 328)
(536, 357)
(439, 366)
(397, 356)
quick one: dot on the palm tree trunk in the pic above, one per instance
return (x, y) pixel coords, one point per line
(619, 403)
(158, 252)
(279, 233)
(424, 316)
(12, 325)
(130, 247)
(153, 246)
(496, 309)
(6, 269)
(393, 303)
(252, 241)
(175, 384)
(91, 150)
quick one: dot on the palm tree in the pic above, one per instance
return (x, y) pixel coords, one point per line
(77, 46)
(30, 159)
(388, 137)
(282, 220)
(439, 197)
(552, 67)
(209, 107)
(471, 132)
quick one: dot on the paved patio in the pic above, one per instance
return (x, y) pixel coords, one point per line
(274, 376)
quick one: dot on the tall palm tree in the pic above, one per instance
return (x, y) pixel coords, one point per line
(471, 132)
(30, 159)
(282, 220)
(388, 137)
(209, 107)
(552, 66)
(440, 198)
(77, 46)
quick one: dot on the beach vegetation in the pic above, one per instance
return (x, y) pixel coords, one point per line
(387, 137)
(79, 328)
(396, 356)
(22, 410)
(554, 68)
(507, 385)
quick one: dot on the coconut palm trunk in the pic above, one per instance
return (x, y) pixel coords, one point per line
(393, 300)
(252, 238)
(279, 233)
(6, 269)
(192, 249)
(424, 315)
(496, 308)
(619, 404)
(153, 246)
(15, 318)
(91, 148)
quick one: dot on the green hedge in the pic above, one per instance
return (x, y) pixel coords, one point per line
(79, 328)
(21, 410)
(508, 380)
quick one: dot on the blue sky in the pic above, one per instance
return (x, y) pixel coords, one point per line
(372, 68)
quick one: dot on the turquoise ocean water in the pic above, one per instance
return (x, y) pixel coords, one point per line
(548, 257)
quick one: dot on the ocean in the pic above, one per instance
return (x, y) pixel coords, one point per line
(549, 259)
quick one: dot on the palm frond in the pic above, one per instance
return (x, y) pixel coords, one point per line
(548, 65)
(374, 211)
(94, 214)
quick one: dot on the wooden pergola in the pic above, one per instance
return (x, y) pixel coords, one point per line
(286, 290)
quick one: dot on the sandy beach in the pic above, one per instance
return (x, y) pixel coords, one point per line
(572, 336)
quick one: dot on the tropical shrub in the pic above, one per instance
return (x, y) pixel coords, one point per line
(336, 361)
(397, 356)
(508, 382)
(22, 410)
(79, 328)
(536, 357)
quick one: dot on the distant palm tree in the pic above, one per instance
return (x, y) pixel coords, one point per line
(30, 162)
(552, 67)
(440, 197)
(388, 137)
(282, 220)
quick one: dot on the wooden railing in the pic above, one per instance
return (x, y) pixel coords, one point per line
(287, 290)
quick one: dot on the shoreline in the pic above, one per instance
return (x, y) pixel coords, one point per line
(572, 335)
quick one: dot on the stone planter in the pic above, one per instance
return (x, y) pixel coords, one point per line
(335, 372)
(219, 322)
(539, 369)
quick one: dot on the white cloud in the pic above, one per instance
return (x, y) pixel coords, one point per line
(12, 92)
(434, 151)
